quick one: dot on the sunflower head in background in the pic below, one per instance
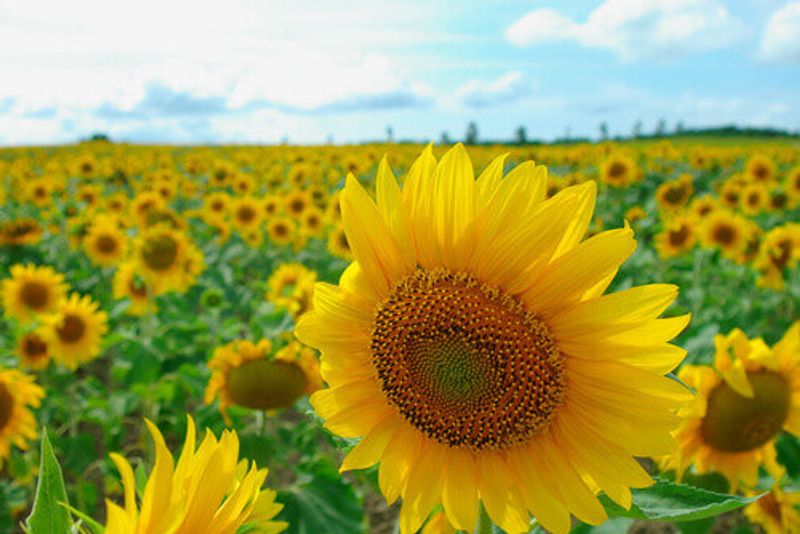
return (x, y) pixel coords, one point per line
(18, 394)
(75, 330)
(472, 349)
(31, 291)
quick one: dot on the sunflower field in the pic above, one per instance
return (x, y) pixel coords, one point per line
(401, 338)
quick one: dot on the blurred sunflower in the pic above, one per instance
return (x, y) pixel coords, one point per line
(730, 194)
(702, 207)
(128, 284)
(23, 231)
(270, 205)
(32, 351)
(465, 294)
(677, 237)
(38, 192)
(144, 203)
(780, 250)
(105, 243)
(754, 199)
(164, 255)
(726, 231)
(634, 214)
(675, 194)
(31, 291)
(215, 205)
(793, 185)
(296, 202)
(209, 490)
(290, 287)
(742, 403)
(246, 374)
(281, 230)
(245, 214)
(338, 245)
(618, 170)
(776, 512)
(74, 332)
(760, 169)
(18, 394)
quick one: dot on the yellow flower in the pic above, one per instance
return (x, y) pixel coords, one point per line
(39, 192)
(634, 214)
(677, 237)
(793, 185)
(74, 332)
(780, 250)
(24, 231)
(741, 406)
(726, 231)
(290, 287)
(18, 394)
(675, 194)
(245, 214)
(296, 202)
(128, 284)
(32, 351)
(31, 291)
(105, 243)
(471, 347)
(167, 258)
(619, 170)
(281, 230)
(246, 374)
(776, 512)
(215, 205)
(760, 169)
(338, 245)
(209, 491)
(754, 199)
(702, 207)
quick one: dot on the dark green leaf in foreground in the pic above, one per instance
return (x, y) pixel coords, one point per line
(48, 516)
(667, 501)
(324, 503)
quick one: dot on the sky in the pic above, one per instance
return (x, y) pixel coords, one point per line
(270, 71)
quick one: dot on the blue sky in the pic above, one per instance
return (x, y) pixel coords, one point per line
(262, 71)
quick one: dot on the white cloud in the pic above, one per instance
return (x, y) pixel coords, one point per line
(636, 29)
(508, 88)
(781, 39)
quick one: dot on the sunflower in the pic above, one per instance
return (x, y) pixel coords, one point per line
(754, 199)
(742, 403)
(31, 291)
(675, 194)
(780, 250)
(127, 284)
(281, 230)
(105, 243)
(270, 205)
(245, 214)
(793, 185)
(74, 332)
(208, 490)
(18, 394)
(38, 192)
(760, 169)
(290, 287)
(618, 170)
(634, 214)
(312, 222)
(215, 205)
(702, 207)
(472, 349)
(142, 204)
(726, 231)
(32, 351)
(245, 374)
(162, 256)
(730, 193)
(776, 512)
(24, 231)
(338, 245)
(296, 202)
(116, 203)
(778, 200)
(677, 237)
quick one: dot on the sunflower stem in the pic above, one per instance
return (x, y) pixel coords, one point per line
(485, 524)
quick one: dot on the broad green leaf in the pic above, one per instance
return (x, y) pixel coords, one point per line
(322, 503)
(668, 501)
(49, 516)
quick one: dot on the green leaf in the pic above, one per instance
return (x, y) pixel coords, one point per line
(668, 501)
(322, 503)
(93, 525)
(49, 516)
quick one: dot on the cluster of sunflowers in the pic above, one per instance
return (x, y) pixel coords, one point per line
(462, 326)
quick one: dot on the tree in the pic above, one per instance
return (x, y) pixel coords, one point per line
(636, 132)
(471, 137)
(603, 131)
(389, 134)
(680, 128)
(661, 128)
(521, 136)
(445, 139)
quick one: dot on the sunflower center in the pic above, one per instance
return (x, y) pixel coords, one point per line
(159, 252)
(617, 170)
(106, 244)
(734, 423)
(724, 234)
(465, 363)
(246, 214)
(34, 295)
(266, 384)
(674, 195)
(781, 255)
(33, 346)
(770, 506)
(6, 406)
(137, 288)
(72, 329)
(678, 237)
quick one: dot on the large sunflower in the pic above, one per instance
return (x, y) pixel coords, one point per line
(472, 349)
(209, 490)
(105, 243)
(31, 291)
(74, 332)
(741, 406)
(18, 394)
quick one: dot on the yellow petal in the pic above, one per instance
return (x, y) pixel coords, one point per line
(389, 199)
(460, 489)
(454, 206)
(370, 449)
